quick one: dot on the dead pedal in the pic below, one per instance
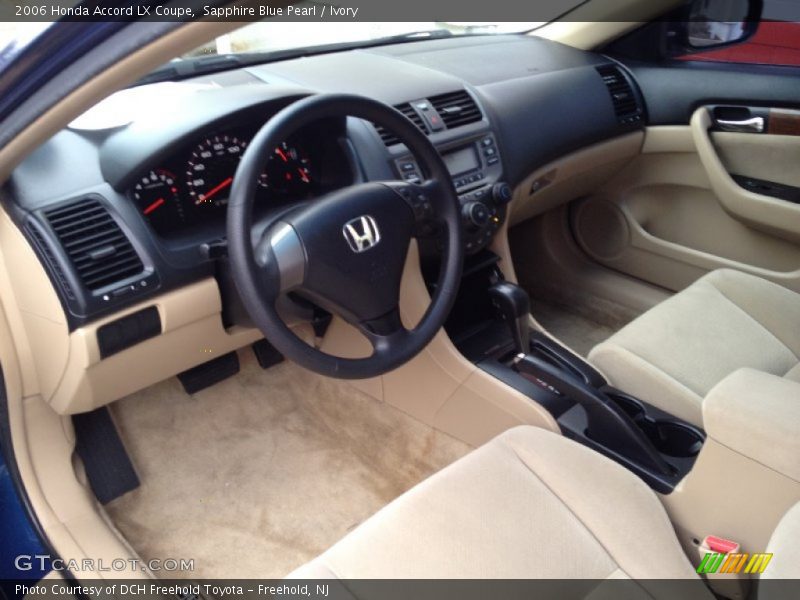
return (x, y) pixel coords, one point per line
(108, 467)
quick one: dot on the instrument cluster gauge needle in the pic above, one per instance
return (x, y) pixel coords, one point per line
(214, 191)
(153, 206)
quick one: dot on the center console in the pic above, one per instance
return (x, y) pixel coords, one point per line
(490, 326)
(476, 169)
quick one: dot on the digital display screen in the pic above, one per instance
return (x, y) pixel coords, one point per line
(461, 161)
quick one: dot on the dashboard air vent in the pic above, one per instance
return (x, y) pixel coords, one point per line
(94, 243)
(456, 109)
(626, 105)
(41, 245)
(389, 138)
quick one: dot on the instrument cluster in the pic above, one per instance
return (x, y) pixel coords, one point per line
(190, 189)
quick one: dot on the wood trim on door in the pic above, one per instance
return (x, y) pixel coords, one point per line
(783, 121)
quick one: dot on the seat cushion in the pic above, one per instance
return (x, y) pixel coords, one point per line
(529, 504)
(672, 355)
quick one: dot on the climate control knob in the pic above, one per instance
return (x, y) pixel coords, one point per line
(501, 193)
(476, 214)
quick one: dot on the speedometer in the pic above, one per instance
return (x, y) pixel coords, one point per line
(210, 170)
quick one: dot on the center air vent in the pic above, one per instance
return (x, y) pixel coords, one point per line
(626, 104)
(456, 109)
(94, 243)
(391, 139)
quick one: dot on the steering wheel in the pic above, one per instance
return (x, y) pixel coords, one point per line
(346, 250)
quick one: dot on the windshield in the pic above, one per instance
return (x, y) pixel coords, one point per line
(14, 37)
(281, 35)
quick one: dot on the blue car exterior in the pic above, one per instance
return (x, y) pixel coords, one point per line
(20, 542)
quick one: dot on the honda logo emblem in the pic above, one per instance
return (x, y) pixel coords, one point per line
(361, 233)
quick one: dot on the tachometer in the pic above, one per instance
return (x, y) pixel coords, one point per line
(156, 196)
(211, 167)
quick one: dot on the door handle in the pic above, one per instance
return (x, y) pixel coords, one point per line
(753, 125)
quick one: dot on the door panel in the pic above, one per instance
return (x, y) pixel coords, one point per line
(773, 215)
(675, 213)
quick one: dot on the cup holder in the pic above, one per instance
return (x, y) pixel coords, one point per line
(673, 438)
(629, 405)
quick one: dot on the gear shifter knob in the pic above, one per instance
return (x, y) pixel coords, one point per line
(513, 303)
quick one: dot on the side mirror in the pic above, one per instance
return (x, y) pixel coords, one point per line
(711, 24)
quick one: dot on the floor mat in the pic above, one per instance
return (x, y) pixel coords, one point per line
(262, 472)
(577, 331)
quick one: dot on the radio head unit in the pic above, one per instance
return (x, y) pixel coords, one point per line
(476, 170)
(471, 164)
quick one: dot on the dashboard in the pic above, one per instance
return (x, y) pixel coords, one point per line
(123, 212)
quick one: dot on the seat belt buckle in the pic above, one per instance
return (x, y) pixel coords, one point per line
(720, 561)
(713, 543)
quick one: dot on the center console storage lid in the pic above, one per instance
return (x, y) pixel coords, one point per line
(757, 415)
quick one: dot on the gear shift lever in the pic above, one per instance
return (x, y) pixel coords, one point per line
(607, 424)
(515, 306)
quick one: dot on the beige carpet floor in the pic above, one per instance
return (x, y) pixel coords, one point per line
(262, 472)
(578, 331)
